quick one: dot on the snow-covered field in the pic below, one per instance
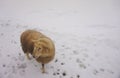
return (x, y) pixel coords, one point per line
(86, 34)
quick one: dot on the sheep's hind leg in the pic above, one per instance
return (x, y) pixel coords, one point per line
(43, 68)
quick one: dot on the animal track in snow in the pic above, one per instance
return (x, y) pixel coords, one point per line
(22, 66)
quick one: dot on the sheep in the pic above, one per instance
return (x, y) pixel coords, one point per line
(39, 46)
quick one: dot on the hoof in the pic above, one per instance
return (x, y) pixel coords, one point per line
(43, 70)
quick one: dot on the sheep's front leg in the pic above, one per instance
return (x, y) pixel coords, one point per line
(43, 68)
(27, 54)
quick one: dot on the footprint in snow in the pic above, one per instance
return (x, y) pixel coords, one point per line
(75, 52)
(21, 58)
(22, 72)
(1, 34)
(22, 66)
(95, 72)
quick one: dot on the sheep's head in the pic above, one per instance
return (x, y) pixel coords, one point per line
(40, 48)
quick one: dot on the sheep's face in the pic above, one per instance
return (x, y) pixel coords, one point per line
(38, 48)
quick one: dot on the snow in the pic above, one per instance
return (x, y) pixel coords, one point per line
(85, 33)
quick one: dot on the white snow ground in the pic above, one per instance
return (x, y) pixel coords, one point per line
(86, 34)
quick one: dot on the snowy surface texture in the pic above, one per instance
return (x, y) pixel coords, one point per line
(86, 34)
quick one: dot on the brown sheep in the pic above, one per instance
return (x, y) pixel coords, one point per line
(39, 46)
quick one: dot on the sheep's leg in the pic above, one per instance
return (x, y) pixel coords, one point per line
(43, 69)
(27, 54)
